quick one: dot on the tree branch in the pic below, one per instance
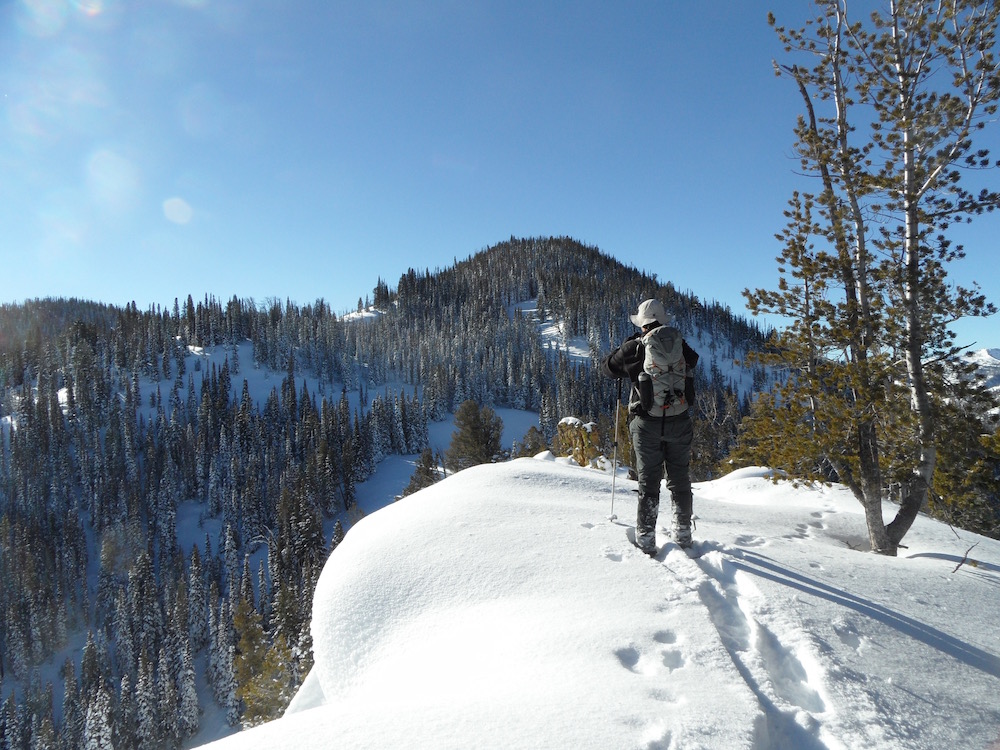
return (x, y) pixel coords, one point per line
(965, 557)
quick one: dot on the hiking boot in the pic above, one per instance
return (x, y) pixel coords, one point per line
(682, 536)
(681, 532)
(647, 543)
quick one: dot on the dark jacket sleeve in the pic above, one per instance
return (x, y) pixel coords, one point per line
(625, 361)
(690, 356)
(691, 360)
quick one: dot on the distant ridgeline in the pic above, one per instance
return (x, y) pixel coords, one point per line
(452, 332)
(114, 421)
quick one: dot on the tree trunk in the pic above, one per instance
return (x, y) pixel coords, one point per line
(879, 538)
(853, 266)
(916, 491)
(917, 488)
(879, 535)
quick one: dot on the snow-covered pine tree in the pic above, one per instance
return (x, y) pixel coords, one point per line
(17, 724)
(146, 705)
(197, 609)
(167, 702)
(189, 711)
(97, 733)
(425, 474)
(73, 713)
(337, 536)
(126, 722)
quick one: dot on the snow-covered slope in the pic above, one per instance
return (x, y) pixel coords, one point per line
(501, 608)
(987, 362)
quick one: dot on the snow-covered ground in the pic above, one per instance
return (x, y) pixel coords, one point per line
(502, 608)
(553, 332)
(539, 625)
(194, 527)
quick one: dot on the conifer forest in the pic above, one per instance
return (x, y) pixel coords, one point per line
(112, 633)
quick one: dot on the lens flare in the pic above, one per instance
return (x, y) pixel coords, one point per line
(89, 7)
(177, 210)
(62, 94)
(42, 18)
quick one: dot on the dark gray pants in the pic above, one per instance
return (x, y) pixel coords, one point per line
(661, 444)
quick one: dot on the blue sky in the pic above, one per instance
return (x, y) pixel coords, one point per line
(302, 149)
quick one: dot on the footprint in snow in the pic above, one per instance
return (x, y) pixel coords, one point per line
(752, 645)
(655, 661)
(848, 635)
(749, 540)
(665, 636)
(629, 658)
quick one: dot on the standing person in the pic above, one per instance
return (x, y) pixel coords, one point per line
(660, 366)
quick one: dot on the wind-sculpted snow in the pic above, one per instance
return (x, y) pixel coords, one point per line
(501, 609)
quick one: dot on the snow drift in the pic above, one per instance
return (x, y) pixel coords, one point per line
(500, 608)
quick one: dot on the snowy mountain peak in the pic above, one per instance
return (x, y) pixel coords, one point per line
(987, 363)
(500, 608)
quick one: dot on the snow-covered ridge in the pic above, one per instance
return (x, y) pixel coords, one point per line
(987, 362)
(500, 608)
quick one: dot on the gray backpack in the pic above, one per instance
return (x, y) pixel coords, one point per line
(661, 382)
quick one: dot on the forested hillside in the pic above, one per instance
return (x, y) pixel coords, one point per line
(114, 419)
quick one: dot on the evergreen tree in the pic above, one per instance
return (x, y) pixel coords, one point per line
(397, 427)
(864, 264)
(250, 649)
(126, 724)
(534, 443)
(338, 535)
(43, 734)
(90, 668)
(426, 473)
(16, 731)
(224, 673)
(270, 688)
(147, 718)
(97, 734)
(967, 478)
(477, 436)
(231, 701)
(167, 703)
(197, 603)
(74, 716)
(578, 441)
(189, 711)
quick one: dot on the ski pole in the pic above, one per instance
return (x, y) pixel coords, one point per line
(614, 461)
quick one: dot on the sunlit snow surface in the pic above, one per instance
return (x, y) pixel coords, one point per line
(501, 608)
